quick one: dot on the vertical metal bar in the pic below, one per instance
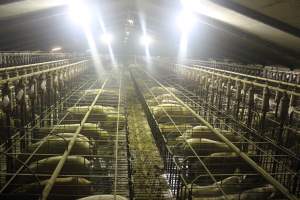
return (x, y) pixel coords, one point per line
(6, 101)
(237, 99)
(228, 95)
(42, 92)
(117, 142)
(21, 105)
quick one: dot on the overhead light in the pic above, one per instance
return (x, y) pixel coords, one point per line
(106, 38)
(127, 32)
(130, 21)
(190, 4)
(56, 49)
(79, 12)
(186, 20)
(146, 40)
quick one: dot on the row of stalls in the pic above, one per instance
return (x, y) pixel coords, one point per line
(65, 133)
(273, 72)
(209, 154)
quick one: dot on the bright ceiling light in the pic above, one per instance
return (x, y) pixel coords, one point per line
(106, 38)
(186, 21)
(130, 21)
(146, 40)
(56, 49)
(191, 4)
(79, 12)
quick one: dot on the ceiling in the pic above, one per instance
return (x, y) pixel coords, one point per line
(256, 31)
(286, 11)
(13, 8)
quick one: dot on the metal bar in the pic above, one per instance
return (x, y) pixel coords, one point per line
(117, 143)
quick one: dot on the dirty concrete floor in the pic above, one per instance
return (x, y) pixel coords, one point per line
(148, 182)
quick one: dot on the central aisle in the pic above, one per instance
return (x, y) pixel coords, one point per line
(147, 166)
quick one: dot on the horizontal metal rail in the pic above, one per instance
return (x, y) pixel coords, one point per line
(43, 71)
(31, 53)
(263, 71)
(254, 78)
(10, 59)
(286, 77)
(261, 85)
(12, 68)
(218, 63)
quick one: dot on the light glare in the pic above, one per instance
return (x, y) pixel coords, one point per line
(130, 21)
(186, 21)
(146, 40)
(79, 12)
(56, 49)
(191, 4)
(106, 38)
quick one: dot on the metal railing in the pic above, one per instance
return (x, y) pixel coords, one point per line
(183, 175)
(104, 162)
